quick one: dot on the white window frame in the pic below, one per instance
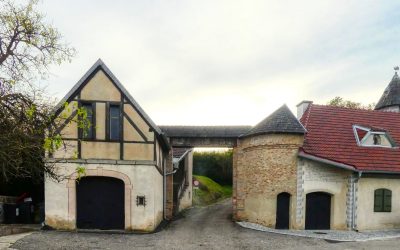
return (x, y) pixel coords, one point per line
(370, 133)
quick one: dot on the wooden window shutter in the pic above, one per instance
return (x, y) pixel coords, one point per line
(378, 200)
(387, 200)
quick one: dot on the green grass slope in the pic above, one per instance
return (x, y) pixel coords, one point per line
(209, 191)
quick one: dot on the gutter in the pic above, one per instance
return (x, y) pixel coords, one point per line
(181, 158)
(357, 176)
(171, 173)
(326, 161)
(164, 189)
(176, 163)
(302, 154)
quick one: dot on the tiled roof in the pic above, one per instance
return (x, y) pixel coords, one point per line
(330, 136)
(178, 152)
(391, 95)
(281, 121)
(205, 131)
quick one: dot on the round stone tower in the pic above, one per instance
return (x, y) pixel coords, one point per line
(265, 171)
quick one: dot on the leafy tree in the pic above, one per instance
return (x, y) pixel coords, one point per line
(340, 102)
(28, 46)
(215, 165)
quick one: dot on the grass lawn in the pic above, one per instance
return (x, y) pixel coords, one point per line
(209, 191)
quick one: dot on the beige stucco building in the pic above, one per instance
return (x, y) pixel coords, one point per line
(128, 180)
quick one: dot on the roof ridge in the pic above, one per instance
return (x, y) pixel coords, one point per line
(354, 109)
(204, 126)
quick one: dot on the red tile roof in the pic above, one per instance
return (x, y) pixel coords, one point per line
(330, 136)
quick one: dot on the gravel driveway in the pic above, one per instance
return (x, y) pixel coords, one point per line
(200, 228)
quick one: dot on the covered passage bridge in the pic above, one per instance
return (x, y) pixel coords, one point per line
(204, 136)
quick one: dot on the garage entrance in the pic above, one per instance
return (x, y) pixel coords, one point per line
(282, 211)
(100, 203)
(318, 210)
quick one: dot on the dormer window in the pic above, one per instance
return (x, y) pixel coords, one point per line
(370, 137)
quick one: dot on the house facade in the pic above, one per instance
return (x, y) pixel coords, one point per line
(128, 182)
(332, 168)
(327, 168)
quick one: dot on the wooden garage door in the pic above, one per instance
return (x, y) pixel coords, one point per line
(318, 210)
(100, 203)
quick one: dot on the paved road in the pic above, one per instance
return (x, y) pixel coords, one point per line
(200, 228)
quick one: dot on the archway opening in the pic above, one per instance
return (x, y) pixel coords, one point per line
(318, 211)
(282, 211)
(100, 203)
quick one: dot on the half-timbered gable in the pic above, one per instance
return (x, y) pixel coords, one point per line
(120, 130)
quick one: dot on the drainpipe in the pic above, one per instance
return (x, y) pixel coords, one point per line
(164, 187)
(353, 208)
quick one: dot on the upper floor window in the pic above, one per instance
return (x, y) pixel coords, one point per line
(88, 131)
(382, 200)
(114, 122)
(369, 137)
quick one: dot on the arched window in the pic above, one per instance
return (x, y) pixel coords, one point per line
(383, 200)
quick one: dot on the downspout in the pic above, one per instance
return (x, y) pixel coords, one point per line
(164, 188)
(353, 208)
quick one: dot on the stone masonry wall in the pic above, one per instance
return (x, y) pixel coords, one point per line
(264, 166)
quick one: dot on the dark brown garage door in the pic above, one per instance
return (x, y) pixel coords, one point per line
(100, 203)
(318, 210)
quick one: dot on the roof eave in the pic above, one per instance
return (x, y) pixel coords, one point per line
(272, 132)
(101, 64)
(302, 154)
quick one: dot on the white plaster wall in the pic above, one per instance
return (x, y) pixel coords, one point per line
(366, 217)
(145, 180)
(318, 177)
(186, 200)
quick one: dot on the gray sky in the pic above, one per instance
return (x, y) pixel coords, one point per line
(230, 62)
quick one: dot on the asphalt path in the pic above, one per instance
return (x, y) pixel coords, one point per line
(197, 228)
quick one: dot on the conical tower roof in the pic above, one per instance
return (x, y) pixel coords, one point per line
(391, 95)
(281, 121)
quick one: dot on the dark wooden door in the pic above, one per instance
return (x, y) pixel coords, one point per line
(282, 211)
(100, 203)
(318, 211)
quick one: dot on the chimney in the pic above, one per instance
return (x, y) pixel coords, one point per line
(302, 107)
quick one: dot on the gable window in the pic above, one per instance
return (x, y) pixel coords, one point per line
(382, 200)
(369, 137)
(88, 131)
(114, 122)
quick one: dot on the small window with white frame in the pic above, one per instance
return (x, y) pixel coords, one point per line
(368, 137)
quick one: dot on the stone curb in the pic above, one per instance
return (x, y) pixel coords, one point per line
(325, 234)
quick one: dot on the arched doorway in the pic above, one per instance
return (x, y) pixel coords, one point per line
(318, 210)
(282, 211)
(100, 203)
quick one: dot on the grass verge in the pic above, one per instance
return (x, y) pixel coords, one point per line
(209, 191)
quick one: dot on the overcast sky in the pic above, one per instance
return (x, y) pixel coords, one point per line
(230, 62)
